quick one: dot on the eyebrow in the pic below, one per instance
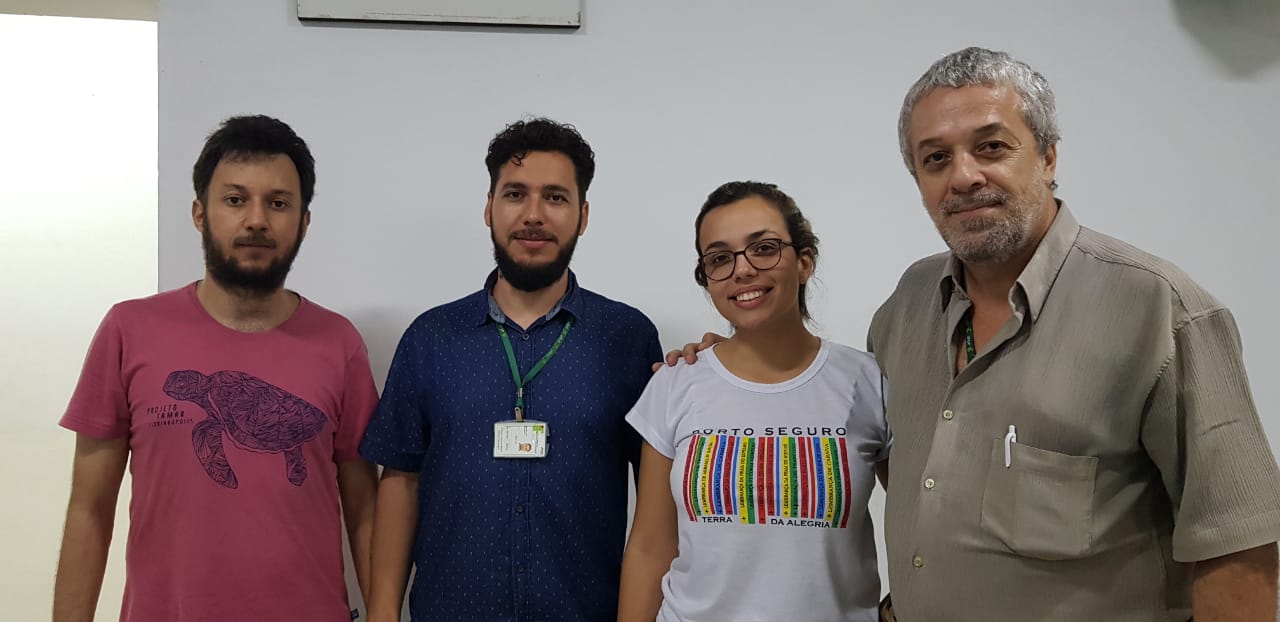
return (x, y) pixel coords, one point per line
(982, 132)
(519, 185)
(718, 244)
(243, 189)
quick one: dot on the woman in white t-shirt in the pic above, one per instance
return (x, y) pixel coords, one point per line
(759, 459)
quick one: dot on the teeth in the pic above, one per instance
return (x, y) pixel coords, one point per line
(752, 295)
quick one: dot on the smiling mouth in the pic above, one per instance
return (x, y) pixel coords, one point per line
(748, 296)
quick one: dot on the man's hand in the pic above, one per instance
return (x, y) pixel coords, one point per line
(690, 351)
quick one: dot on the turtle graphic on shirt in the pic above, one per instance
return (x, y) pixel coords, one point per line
(255, 415)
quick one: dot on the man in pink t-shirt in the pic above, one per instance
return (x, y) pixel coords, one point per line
(239, 406)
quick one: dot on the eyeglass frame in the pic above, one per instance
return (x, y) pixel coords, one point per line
(702, 270)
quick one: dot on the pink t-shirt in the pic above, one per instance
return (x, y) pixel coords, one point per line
(234, 441)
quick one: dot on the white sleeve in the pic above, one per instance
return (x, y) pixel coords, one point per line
(874, 438)
(651, 414)
(882, 422)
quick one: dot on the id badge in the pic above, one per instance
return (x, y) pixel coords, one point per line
(520, 439)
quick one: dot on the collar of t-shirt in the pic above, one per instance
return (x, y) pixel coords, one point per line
(566, 302)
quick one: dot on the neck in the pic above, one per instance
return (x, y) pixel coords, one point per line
(524, 308)
(770, 353)
(992, 282)
(245, 312)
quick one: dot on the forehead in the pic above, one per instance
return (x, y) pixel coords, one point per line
(733, 223)
(275, 170)
(540, 168)
(952, 113)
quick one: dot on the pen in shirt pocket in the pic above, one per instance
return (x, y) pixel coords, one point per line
(1009, 440)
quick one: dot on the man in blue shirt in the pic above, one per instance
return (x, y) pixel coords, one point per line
(501, 424)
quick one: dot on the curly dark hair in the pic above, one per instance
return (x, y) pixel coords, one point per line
(248, 137)
(515, 141)
(798, 226)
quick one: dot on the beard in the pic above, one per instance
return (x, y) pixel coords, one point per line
(531, 278)
(225, 270)
(991, 239)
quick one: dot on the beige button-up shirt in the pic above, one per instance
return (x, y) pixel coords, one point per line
(1137, 449)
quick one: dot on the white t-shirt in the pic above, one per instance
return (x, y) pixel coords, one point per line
(771, 483)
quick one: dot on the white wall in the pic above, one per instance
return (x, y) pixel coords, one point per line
(1166, 106)
(78, 207)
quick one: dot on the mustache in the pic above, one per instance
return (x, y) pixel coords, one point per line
(533, 233)
(254, 240)
(977, 199)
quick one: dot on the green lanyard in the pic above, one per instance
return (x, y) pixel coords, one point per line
(970, 350)
(515, 369)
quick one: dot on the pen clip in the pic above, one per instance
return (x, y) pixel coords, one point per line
(1009, 440)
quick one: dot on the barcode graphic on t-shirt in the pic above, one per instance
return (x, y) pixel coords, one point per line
(752, 480)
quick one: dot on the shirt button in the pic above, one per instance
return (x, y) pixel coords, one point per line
(520, 568)
(525, 336)
(948, 415)
(917, 561)
(928, 483)
(519, 508)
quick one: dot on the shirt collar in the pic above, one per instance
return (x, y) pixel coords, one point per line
(570, 302)
(1038, 276)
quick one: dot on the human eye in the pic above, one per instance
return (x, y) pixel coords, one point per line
(993, 148)
(713, 260)
(934, 159)
(765, 248)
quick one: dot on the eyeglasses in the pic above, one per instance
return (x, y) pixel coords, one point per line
(762, 255)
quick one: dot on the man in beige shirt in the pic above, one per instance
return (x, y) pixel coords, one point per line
(1074, 433)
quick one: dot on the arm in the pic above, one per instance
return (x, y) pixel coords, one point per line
(1201, 428)
(358, 488)
(395, 522)
(1238, 587)
(652, 543)
(95, 486)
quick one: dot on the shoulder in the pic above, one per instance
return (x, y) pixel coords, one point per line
(1133, 269)
(853, 364)
(920, 279)
(918, 284)
(611, 310)
(330, 322)
(683, 373)
(675, 384)
(164, 304)
(450, 316)
(617, 322)
(847, 358)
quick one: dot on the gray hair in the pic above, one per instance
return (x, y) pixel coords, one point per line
(975, 66)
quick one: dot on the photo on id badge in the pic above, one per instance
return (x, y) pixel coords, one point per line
(525, 438)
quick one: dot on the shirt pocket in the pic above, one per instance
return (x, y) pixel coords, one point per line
(1040, 506)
